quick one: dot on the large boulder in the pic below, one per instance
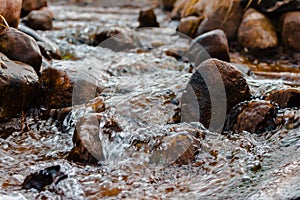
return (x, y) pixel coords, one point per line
(18, 88)
(291, 30)
(256, 31)
(215, 43)
(20, 47)
(11, 10)
(213, 90)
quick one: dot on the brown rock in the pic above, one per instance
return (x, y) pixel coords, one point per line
(20, 47)
(30, 5)
(291, 30)
(147, 18)
(11, 10)
(168, 4)
(256, 31)
(214, 88)
(215, 43)
(177, 149)
(18, 87)
(39, 19)
(189, 25)
(178, 7)
(59, 80)
(285, 98)
(253, 116)
(224, 14)
(87, 145)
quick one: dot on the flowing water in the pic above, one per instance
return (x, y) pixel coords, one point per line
(141, 89)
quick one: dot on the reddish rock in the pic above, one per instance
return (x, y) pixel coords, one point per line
(20, 47)
(18, 88)
(256, 31)
(147, 18)
(285, 98)
(30, 5)
(220, 79)
(189, 25)
(39, 19)
(253, 116)
(11, 10)
(290, 33)
(215, 43)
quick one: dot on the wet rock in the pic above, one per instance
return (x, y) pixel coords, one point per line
(114, 39)
(7, 128)
(147, 18)
(256, 31)
(168, 4)
(213, 80)
(30, 5)
(20, 47)
(291, 30)
(11, 10)
(215, 43)
(177, 149)
(189, 25)
(18, 87)
(39, 19)
(273, 6)
(48, 49)
(40, 180)
(286, 98)
(58, 81)
(225, 15)
(253, 116)
(87, 144)
(288, 118)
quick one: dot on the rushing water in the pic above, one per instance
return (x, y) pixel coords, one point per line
(141, 89)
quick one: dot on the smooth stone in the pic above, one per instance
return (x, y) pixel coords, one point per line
(290, 33)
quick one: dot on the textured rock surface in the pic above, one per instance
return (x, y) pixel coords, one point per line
(285, 97)
(256, 31)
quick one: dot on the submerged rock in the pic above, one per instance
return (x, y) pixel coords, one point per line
(147, 18)
(290, 33)
(58, 82)
(189, 25)
(40, 180)
(39, 19)
(20, 47)
(18, 87)
(255, 116)
(216, 81)
(215, 43)
(285, 98)
(256, 31)
(11, 11)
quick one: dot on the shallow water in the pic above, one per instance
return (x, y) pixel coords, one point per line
(141, 89)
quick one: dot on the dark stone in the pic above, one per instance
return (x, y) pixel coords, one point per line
(290, 33)
(39, 180)
(19, 88)
(20, 47)
(7, 128)
(168, 4)
(39, 19)
(213, 79)
(215, 43)
(270, 6)
(254, 116)
(147, 18)
(256, 31)
(285, 98)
